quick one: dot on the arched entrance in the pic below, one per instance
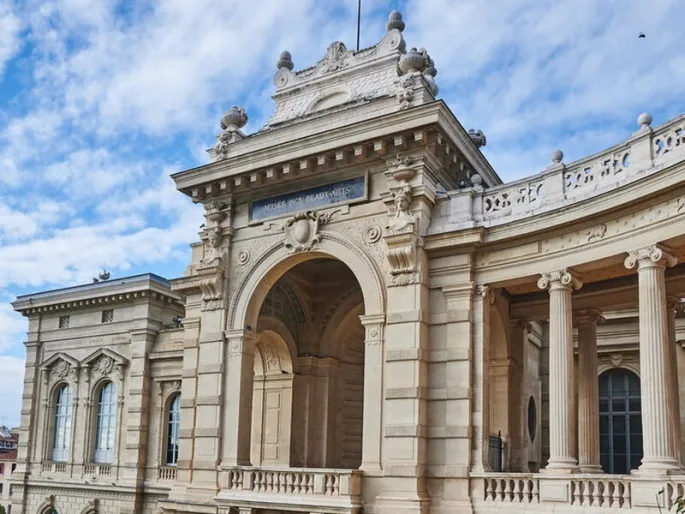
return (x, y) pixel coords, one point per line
(307, 406)
(620, 421)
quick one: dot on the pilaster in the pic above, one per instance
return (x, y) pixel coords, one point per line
(28, 428)
(588, 391)
(138, 416)
(372, 428)
(657, 429)
(560, 285)
(483, 299)
(238, 388)
(674, 305)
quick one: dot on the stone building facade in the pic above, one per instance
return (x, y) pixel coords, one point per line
(373, 322)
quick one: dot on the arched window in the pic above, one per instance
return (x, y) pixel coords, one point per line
(620, 421)
(62, 424)
(106, 424)
(173, 425)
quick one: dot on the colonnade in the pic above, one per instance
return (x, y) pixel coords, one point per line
(659, 381)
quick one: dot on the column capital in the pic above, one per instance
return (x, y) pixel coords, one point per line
(674, 303)
(486, 292)
(240, 341)
(561, 279)
(372, 319)
(654, 255)
(588, 317)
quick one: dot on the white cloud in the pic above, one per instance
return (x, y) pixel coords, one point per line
(12, 327)
(12, 373)
(10, 27)
(532, 73)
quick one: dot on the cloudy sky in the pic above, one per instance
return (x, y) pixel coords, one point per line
(100, 100)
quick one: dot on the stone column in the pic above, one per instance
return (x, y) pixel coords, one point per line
(561, 384)
(651, 262)
(239, 385)
(674, 305)
(372, 424)
(588, 391)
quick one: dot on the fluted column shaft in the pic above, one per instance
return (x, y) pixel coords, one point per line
(561, 383)
(659, 453)
(588, 392)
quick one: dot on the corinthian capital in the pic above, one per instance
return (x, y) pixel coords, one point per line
(559, 279)
(655, 255)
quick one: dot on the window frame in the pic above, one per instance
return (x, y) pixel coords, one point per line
(173, 397)
(112, 417)
(68, 415)
(608, 416)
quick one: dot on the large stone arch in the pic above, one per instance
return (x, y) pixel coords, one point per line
(277, 260)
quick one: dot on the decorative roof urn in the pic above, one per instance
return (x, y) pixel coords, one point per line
(412, 61)
(234, 119)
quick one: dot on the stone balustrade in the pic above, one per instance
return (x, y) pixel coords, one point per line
(49, 467)
(166, 473)
(325, 490)
(587, 492)
(96, 470)
(561, 185)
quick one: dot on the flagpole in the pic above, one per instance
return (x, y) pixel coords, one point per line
(359, 20)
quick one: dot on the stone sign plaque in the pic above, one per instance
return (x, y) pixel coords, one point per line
(345, 191)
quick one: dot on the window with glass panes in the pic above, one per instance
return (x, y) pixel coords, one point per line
(61, 431)
(173, 425)
(106, 424)
(620, 421)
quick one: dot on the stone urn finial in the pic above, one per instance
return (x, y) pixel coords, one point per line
(234, 119)
(285, 61)
(413, 60)
(395, 21)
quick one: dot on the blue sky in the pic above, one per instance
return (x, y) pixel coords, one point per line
(100, 100)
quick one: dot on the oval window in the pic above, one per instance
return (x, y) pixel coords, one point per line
(532, 418)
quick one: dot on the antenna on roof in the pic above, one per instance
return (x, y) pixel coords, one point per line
(359, 20)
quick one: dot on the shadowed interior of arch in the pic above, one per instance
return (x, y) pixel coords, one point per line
(307, 405)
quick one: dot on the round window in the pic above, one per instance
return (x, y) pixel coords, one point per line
(532, 418)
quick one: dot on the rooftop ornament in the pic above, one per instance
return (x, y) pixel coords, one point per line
(231, 122)
(644, 120)
(395, 21)
(478, 138)
(557, 157)
(285, 61)
(412, 61)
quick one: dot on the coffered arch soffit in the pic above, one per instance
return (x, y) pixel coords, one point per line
(269, 267)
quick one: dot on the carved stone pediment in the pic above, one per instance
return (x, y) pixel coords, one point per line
(105, 363)
(60, 367)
